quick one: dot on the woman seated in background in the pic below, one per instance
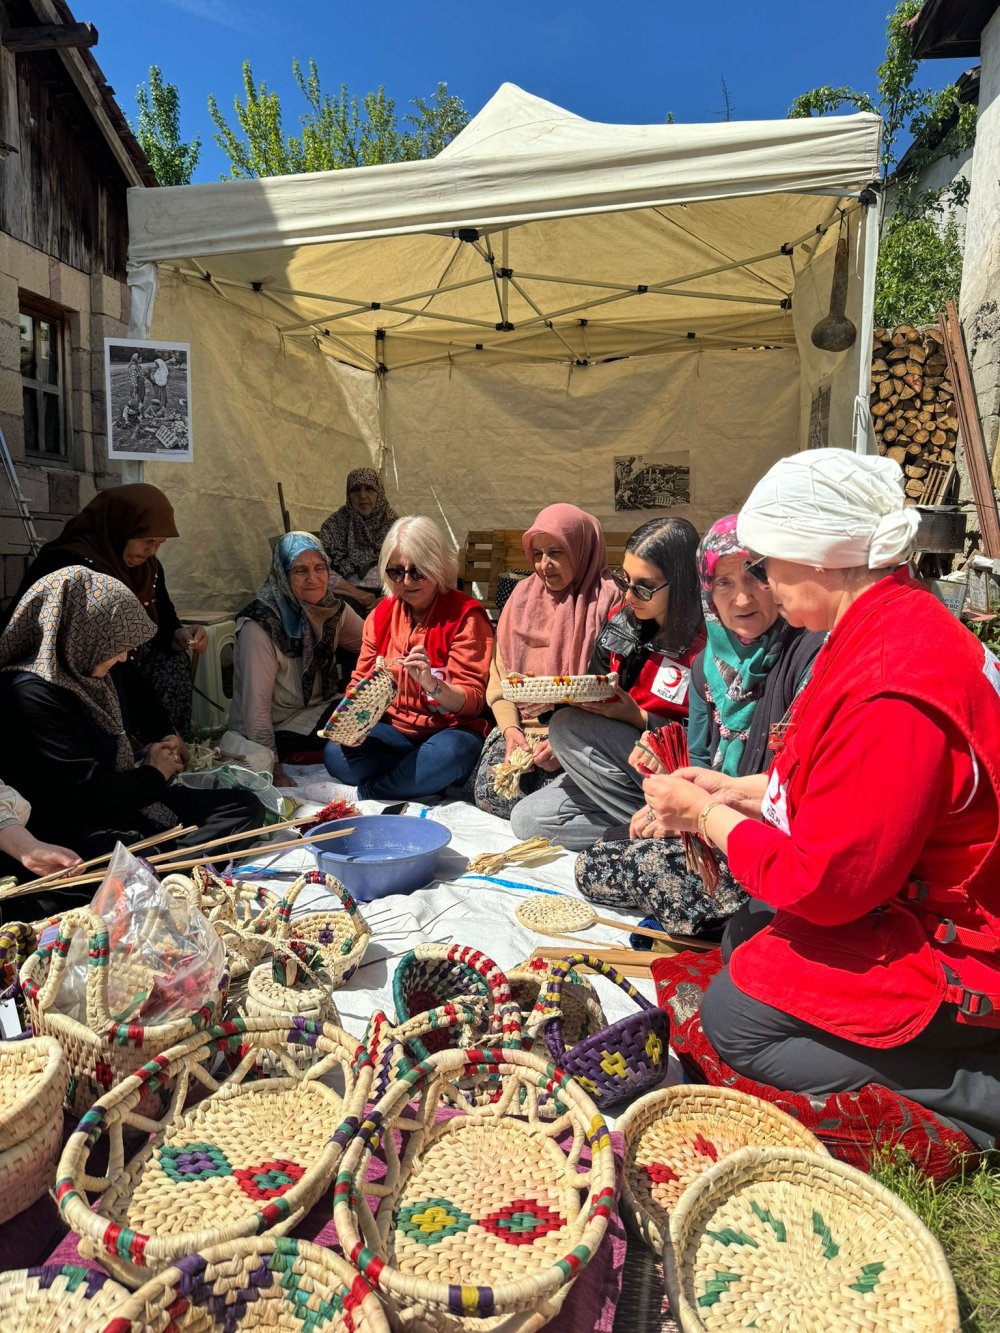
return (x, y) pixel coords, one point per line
(119, 533)
(548, 627)
(353, 535)
(92, 780)
(870, 949)
(438, 644)
(742, 685)
(651, 640)
(287, 676)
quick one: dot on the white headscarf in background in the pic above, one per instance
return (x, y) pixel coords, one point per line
(830, 508)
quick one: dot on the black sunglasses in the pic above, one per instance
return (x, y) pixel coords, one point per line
(638, 590)
(758, 568)
(397, 573)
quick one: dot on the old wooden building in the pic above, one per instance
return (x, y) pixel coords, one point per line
(67, 158)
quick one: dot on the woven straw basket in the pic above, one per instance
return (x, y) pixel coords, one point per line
(623, 1060)
(554, 690)
(266, 1282)
(287, 986)
(579, 1006)
(100, 1051)
(232, 908)
(674, 1135)
(59, 1298)
(361, 707)
(33, 1079)
(484, 1218)
(17, 941)
(432, 976)
(390, 1045)
(251, 1156)
(783, 1239)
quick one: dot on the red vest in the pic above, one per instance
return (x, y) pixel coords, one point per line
(879, 980)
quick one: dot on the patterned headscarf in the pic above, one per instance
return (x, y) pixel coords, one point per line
(299, 629)
(735, 672)
(353, 541)
(68, 623)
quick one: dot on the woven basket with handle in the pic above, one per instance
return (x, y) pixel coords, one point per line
(675, 1134)
(486, 1210)
(58, 1298)
(17, 942)
(617, 1062)
(33, 1079)
(434, 975)
(263, 1282)
(362, 706)
(252, 1155)
(391, 1045)
(100, 1051)
(580, 1008)
(782, 1238)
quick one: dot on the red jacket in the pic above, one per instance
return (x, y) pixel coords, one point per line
(881, 850)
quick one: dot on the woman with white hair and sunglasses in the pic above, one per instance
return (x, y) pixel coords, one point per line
(870, 949)
(438, 644)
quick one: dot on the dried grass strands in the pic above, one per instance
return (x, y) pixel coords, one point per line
(507, 774)
(161, 857)
(535, 849)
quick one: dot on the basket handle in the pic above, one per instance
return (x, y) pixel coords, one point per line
(549, 1000)
(283, 911)
(99, 1017)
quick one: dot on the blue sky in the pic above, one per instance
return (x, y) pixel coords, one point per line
(620, 62)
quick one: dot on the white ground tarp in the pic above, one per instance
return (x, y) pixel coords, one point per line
(496, 326)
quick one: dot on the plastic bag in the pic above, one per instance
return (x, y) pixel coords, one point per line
(232, 775)
(165, 961)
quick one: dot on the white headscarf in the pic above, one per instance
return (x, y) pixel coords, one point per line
(830, 508)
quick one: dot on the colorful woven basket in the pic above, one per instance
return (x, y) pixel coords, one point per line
(100, 1051)
(623, 1060)
(554, 690)
(432, 976)
(780, 1239)
(486, 1211)
(233, 909)
(362, 706)
(33, 1079)
(674, 1135)
(59, 1298)
(581, 1010)
(17, 941)
(251, 1156)
(289, 985)
(266, 1282)
(390, 1046)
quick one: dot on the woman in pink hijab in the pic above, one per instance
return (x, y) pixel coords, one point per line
(547, 628)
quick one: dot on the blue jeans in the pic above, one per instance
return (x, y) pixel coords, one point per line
(388, 766)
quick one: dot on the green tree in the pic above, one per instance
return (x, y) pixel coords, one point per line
(920, 254)
(159, 131)
(335, 131)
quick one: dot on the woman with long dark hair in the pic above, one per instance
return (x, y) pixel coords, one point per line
(651, 639)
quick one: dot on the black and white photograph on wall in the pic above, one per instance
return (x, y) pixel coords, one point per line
(662, 483)
(148, 387)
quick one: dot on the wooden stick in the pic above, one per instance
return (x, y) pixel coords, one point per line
(59, 876)
(266, 850)
(684, 941)
(228, 837)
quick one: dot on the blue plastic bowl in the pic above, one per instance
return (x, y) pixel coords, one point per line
(385, 854)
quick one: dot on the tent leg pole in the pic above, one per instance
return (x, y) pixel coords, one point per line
(863, 431)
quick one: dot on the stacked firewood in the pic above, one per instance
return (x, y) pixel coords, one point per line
(913, 406)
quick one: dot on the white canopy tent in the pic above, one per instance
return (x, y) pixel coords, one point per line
(498, 325)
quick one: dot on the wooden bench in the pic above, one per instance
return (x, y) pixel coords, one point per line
(486, 555)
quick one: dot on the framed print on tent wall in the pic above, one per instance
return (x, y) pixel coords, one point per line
(148, 396)
(662, 481)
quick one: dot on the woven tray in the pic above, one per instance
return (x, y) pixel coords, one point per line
(253, 1155)
(361, 707)
(432, 976)
(482, 1219)
(554, 690)
(783, 1239)
(59, 1298)
(579, 1006)
(101, 1051)
(267, 1282)
(674, 1135)
(620, 1061)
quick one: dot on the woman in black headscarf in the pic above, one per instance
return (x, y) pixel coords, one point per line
(353, 537)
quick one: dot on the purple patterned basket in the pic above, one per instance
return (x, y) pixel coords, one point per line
(620, 1061)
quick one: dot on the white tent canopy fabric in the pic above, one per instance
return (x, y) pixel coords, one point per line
(538, 244)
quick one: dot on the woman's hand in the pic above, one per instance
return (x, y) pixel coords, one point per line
(622, 707)
(742, 794)
(193, 637)
(675, 802)
(418, 664)
(165, 759)
(514, 739)
(45, 858)
(642, 758)
(544, 758)
(179, 744)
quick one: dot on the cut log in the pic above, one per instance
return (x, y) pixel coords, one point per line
(938, 438)
(889, 433)
(914, 449)
(921, 437)
(914, 489)
(898, 354)
(947, 456)
(928, 393)
(915, 470)
(879, 365)
(896, 453)
(880, 409)
(918, 352)
(885, 389)
(914, 368)
(907, 392)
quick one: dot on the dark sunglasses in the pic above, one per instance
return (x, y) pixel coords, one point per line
(638, 590)
(397, 573)
(758, 568)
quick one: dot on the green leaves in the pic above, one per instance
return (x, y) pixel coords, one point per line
(159, 131)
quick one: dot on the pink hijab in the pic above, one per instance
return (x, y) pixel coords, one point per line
(547, 634)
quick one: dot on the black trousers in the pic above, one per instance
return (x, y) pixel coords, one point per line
(951, 1068)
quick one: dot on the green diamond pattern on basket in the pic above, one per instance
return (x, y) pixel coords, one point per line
(523, 1221)
(195, 1161)
(868, 1280)
(716, 1287)
(432, 1220)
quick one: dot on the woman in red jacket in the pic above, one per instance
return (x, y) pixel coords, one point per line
(871, 949)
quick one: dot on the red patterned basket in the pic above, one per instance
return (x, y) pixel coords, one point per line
(620, 1061)
(434, 975)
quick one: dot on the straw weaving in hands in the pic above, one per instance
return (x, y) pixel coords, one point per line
(669, 745)
(507, 774)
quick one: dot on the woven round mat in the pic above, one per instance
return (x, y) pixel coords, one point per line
(558, 913)
(59, 1298)
(674, 1135)
(786, 1241)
